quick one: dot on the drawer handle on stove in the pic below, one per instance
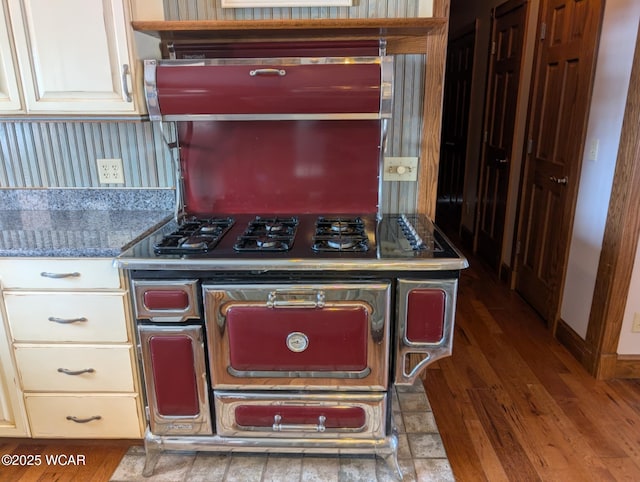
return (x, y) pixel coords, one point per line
(66, 321)
(45, 274)
(278, 72)
(83, 420)
(66, 371)
(296, 299)
(282, 427)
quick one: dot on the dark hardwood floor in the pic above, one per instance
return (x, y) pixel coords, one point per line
(511, 405)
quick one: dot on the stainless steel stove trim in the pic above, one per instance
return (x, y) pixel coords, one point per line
(271, 61)
(299, 373)
(292, 264)
(374, 406)
(431, 351)
(175, 425)
(271, 117)
(151, 90)
(386, 87)
(192, 311)
(386, 447)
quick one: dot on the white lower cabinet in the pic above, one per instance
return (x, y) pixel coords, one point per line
(69, 325)
(12, 417)
(83, 416)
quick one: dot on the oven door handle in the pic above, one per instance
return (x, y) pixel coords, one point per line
(296, 299)
(278, 426)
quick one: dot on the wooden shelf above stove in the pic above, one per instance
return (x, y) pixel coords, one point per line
(403, 35)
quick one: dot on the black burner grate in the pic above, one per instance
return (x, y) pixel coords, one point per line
(194, 235)
(340, 234)
(268, 234)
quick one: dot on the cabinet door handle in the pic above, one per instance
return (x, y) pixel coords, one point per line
(46, 274)
(83, 420)
(66, 371)
(65, 321)
(125, 85)
(278, 72)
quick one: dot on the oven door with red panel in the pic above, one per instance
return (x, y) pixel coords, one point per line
(286, 414)
(425, 320)
(316, 336)
(172, 346)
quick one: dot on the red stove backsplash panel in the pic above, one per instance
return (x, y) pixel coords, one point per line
(280, 167)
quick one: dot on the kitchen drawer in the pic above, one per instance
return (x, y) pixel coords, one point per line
(299, 415)
(67, 317)
(65, 274)
(83, 416)
(74, 368)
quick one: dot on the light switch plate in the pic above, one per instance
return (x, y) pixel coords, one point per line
(400, 169)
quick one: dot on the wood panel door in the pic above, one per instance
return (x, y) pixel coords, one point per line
(507, 39)
(565, 63)
(455, 122)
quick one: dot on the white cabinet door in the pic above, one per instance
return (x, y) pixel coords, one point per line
(12, 421)
(9, 91)
(73, 56)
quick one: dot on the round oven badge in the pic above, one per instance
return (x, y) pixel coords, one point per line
(297, 342)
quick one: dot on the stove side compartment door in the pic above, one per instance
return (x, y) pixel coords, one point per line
(425, 320)
(173, 359)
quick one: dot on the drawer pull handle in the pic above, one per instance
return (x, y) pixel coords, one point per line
(278, 72)
(282, 427)
(66, 371)
(45, 274)
(66, 321)
(83, 420)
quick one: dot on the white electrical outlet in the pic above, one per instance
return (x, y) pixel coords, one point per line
(110, 171)
(635, 324)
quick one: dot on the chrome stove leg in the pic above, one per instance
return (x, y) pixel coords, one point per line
(390, 456)
(153, 450)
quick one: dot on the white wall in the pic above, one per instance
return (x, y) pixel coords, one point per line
(611, 83)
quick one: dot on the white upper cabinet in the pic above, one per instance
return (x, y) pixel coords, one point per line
(10, 101)
(74, 56)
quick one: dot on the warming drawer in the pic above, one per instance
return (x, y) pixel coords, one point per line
(265, 88)
(278, 336)
(299, 415)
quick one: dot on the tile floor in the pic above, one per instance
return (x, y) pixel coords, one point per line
(421, 457)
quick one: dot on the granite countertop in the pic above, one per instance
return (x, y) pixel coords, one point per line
(79, 222)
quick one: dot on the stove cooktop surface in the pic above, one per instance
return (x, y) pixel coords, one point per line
(294, 241)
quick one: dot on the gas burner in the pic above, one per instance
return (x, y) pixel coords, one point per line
(341, 243)
(341, 227)
(268, 234)
(340, 234)
(194, 235)
(273, 227)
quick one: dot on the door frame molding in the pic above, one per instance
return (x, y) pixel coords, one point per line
(619, 247)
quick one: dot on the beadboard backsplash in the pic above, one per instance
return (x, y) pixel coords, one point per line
(63, 154)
